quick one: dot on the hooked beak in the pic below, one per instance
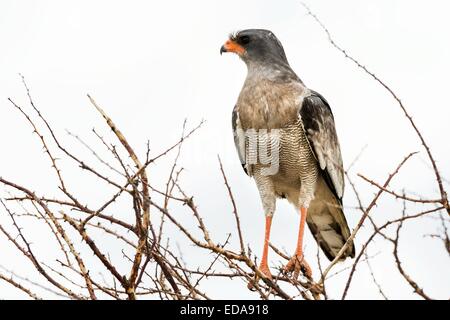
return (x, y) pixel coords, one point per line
(232, 46)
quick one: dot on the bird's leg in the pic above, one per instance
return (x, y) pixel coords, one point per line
(264, 267)
(298, 262)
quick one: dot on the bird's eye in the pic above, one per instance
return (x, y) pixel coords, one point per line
(244, 39)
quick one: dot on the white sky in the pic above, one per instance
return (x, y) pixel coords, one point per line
(153, 64)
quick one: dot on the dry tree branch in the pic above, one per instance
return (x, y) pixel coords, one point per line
(27, 252)
(372, 274)
(377, 232)
(411, 282)
(34, 283)
(233, 202)
(20, 287)
(398, 196)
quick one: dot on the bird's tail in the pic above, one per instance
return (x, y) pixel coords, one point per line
(327, 222)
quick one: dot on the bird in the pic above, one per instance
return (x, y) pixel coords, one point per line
(286, 140)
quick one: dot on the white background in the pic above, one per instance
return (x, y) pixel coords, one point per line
(153, 64)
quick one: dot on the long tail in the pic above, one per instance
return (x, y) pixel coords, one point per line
(327, 222)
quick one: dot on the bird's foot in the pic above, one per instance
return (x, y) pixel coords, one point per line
(264, 269)
(296, 264)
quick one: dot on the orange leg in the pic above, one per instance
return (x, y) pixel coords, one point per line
(298, 262)
(301, 231)
(264, 267)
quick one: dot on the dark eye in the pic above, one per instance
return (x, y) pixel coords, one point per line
(244, 40)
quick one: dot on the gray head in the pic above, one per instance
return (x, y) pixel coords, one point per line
(256, 46)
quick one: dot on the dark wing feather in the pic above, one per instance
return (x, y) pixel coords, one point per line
(318, 122)
(239, 138)
(326, 219)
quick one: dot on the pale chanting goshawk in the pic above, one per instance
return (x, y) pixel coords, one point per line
(286, 139)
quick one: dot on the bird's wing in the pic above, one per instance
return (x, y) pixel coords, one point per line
(318, 122)
(326, 219)
(239, 138)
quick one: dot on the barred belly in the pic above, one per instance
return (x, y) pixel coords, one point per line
(297, 172)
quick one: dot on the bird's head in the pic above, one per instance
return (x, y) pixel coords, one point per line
(255, 46)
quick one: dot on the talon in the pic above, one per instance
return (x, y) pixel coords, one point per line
(251, 286)
(296, 264)
(264, 269)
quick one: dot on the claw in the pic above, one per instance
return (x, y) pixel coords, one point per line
(296, 264)
(264, 269)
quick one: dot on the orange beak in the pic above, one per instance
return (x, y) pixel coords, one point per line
(232, 46)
